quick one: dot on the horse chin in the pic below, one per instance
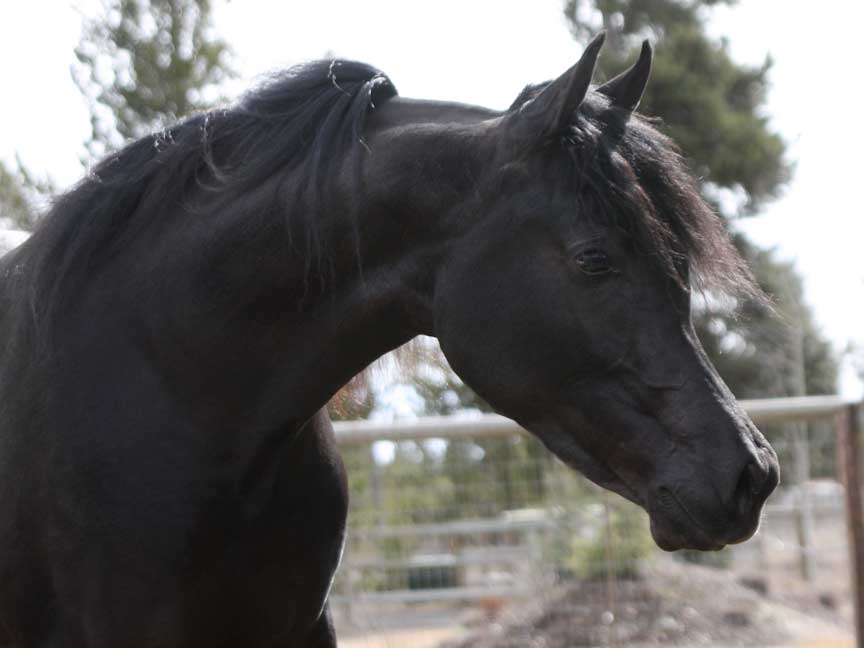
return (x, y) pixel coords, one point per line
(672, 534)
(674, 527)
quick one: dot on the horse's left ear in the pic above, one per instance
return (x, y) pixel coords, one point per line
(551, 111)
(626, 89)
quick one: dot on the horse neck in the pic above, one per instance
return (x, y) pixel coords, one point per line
(283, 342)
(417, 178)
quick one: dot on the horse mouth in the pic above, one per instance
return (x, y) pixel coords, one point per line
(674, 527)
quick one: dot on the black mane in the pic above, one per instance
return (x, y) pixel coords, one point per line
(302, 120)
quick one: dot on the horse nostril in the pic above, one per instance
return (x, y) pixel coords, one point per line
(747, 487)
(744, 490)
(753, 484)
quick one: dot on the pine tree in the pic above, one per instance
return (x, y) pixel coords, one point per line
(144, 64)
(22, 195)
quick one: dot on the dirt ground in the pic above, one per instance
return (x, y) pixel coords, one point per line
(418, 638)
(432, 637)
(673, 604)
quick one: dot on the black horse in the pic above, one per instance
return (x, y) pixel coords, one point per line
(175, 326)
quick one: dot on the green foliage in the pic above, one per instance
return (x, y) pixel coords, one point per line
(416, 496)
(618, 551)
(627, 17)
(15, 206)
(21, 195)
(718, 559)
(710, 105)
(769, 354)
(144, 64)
(355, 401)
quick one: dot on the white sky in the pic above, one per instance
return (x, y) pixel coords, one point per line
(484, 51)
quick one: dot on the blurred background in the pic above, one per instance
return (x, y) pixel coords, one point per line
(464, 531)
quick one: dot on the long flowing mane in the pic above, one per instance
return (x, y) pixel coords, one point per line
(303, 121)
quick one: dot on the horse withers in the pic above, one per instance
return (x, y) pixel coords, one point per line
(178, 321)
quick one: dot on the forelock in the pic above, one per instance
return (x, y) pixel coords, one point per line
(643, 186)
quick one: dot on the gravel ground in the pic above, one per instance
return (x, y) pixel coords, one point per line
(673, 604)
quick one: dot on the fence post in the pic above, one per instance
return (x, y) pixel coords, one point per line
(849, 459)
(804, 513)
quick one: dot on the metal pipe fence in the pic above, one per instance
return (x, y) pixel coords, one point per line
(452, 519)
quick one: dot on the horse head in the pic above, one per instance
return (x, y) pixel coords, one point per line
(568, 307)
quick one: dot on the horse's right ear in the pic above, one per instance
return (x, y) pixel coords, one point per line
(550, 113)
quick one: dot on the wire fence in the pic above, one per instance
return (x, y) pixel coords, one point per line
(467, 530)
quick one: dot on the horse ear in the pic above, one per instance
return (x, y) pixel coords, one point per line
(551, 111)
(626, 89)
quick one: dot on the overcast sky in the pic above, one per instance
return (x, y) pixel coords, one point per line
(484, 51)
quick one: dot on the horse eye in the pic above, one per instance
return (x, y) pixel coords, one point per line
(594, 261)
